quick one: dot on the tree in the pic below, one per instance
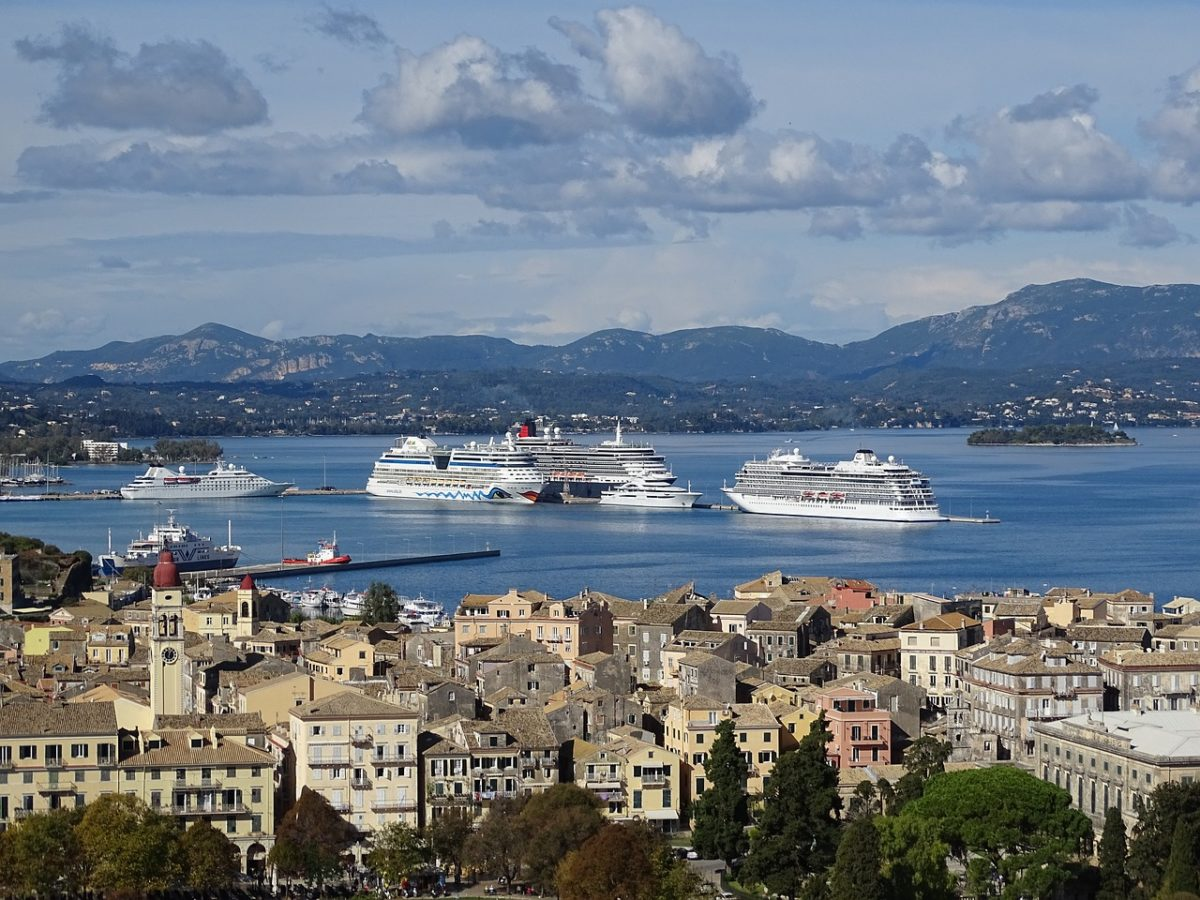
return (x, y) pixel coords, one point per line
(208, 858)
(865, 801)
(497, 845)
(1114, 880)
(129, 847)
(926, 757)
(556, 822)
(619, 861)
(856, 871)
(42, 854)
(1182, 876)
(1006, 826)
(381, 603)
(448, 835)
(913, 859)
(797, 834)
(720, 814)
(398, 850)
(311, 839)
(1150, 848)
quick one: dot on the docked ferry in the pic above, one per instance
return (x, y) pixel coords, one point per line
(191, 552)
(417, 468)
(587, 470)
(865, 487)
(221, 482)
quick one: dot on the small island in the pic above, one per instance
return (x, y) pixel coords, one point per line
(1050, 436)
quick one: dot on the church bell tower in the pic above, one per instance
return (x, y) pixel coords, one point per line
(166, 639)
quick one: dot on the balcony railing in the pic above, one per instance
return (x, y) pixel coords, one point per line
(204, 784)
(653, 780)
(327, 763)
(217, 809)
(604, 782)
(22, 813)
(6, 764)
(56, 787)
(362, 739)
(360, 784)
(54, 762)
(393, 805)
(106, 761)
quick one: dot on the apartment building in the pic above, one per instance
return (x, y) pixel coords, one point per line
(1010, 683)
(361, 755)
(632, 778)
(641, 631)
(1136, 680)
(690, 728)
(861, 731)
(515, 754)
(1117, 758)
(55, 755)
(569, 628)
(927, 653)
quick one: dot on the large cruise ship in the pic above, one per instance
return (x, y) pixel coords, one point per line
(220, 483)
(416, 468)
(190, 551)
(587, 470)
(865, 487)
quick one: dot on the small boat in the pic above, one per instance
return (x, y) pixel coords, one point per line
(422, 612)
(326, 554)
(649, 493)
(315, 598)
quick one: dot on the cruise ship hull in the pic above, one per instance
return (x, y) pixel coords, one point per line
(504, 492)
(826, 509)
(190, 492)
(221, 483)
(112, 564)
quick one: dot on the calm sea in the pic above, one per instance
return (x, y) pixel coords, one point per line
(1107, 518)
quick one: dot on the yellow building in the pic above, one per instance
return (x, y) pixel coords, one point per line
(342, 656)
(361, 755)
(40, 640)
(234, 614)
(633, 778)
(54, 756)
(690, 729)
(199, 773)
(275, 698)
(109, 644)
(570, 628)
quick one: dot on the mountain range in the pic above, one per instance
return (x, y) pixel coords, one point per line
(1067, 323)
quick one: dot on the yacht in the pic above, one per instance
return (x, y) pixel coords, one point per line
(190, 551)
(353, 603)
(647, 493)
(416, 468)
(221, 482)
(865, 487)
(585, 471)
(419, 611)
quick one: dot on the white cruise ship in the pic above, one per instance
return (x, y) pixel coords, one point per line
(865, 487)
(416, 468)
(190, 551)
(219, 483)
(587, 470)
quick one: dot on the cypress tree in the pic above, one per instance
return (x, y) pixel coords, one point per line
(1183, 865)
(720, 815)
(797, 834)
(856, 874)
(1114, 880)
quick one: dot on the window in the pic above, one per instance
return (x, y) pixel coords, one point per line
(637, 799)
(79, 751)
(27, 751)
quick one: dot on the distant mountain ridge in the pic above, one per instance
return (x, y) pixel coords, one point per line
(1067, 322)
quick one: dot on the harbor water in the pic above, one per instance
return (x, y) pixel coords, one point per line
(1101, 517)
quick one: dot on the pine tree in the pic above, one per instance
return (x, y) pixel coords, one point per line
(856, 874)
(720, 815)
(1114, 880)
(797, 834)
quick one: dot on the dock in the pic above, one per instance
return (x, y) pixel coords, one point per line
(267, 571)
(973, 520)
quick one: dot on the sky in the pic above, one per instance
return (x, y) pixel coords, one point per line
(539, 171)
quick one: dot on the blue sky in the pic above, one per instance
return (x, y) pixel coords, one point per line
(539, 171)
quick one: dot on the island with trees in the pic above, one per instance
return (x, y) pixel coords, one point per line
(1050, 436)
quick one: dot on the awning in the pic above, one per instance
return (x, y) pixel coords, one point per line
(661, 814)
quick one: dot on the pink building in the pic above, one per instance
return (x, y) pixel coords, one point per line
(862, 733)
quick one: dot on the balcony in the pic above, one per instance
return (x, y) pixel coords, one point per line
(653, 780)
(22, 813)
(383, 806)
(56, 787)
(362, 739)
(54, 762)
(216, 809)
(204, 784)
(323, 762)
(360, 784)
(6, 765)
(106, 761)
(604, 782)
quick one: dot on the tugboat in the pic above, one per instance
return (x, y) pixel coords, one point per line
(326, 554)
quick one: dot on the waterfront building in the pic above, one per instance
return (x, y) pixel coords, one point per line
(1177, 637)
(360, 754)
(570, 628)
(1116, 759)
